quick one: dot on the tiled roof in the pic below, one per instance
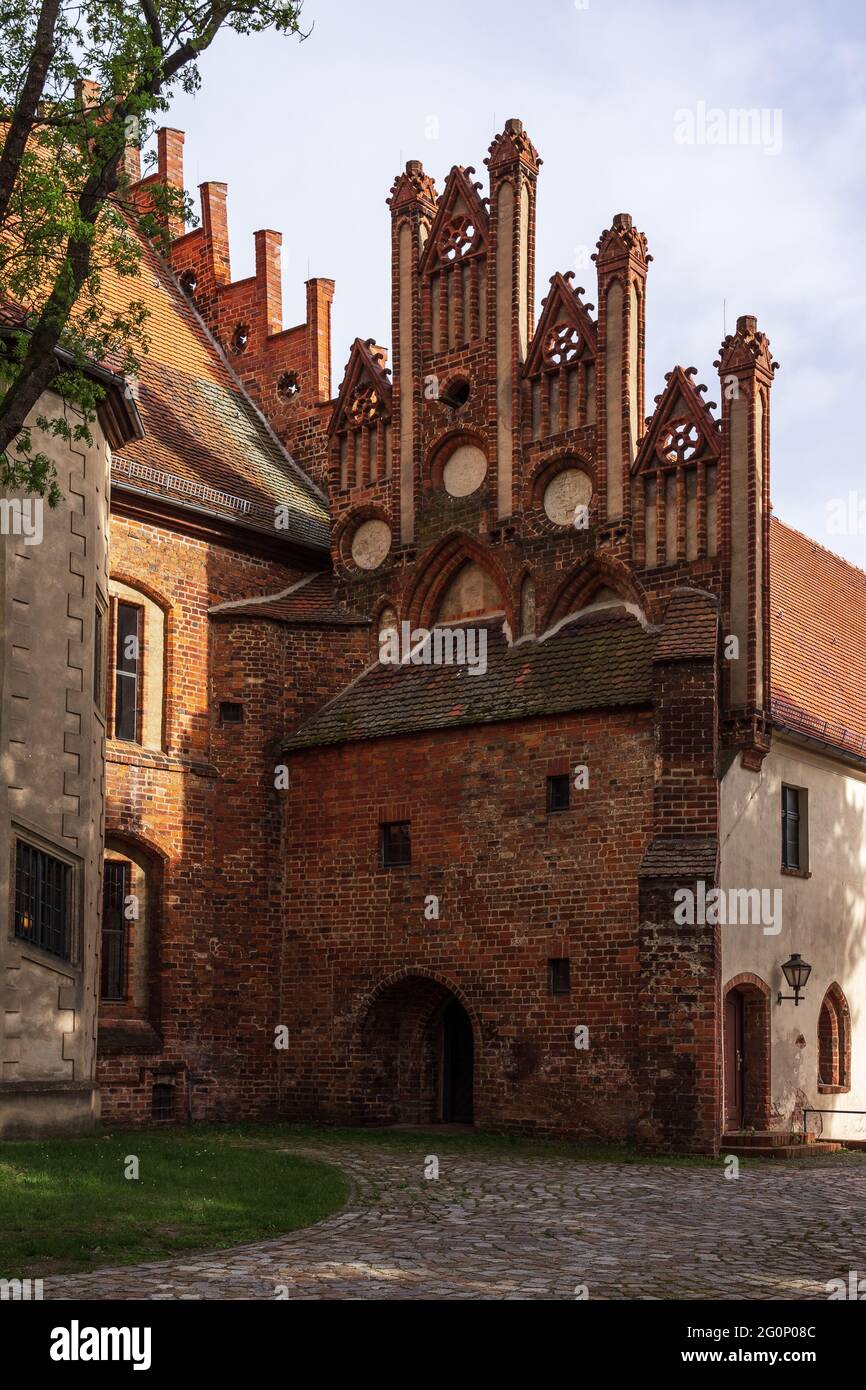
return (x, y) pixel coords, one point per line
(672, 856)
(818, 640)
(310, 602)
(691, 627)
(205, 441)
(602, 659)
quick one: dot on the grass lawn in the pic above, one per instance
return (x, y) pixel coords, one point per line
(66, 1205)
(481, 1143)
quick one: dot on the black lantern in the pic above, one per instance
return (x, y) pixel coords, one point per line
(796, 972)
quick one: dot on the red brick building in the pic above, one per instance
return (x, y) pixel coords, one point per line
(368, 892)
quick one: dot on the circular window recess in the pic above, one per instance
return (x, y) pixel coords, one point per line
(288, 386)
(370, 544)
(189, 282)
(465, 470)
(240, 338)
(565, 494)
(455, 393)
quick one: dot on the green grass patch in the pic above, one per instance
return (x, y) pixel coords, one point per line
(482, 1143)
(65, 1204)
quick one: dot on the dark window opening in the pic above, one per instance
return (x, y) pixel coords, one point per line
(231, 712)
(396, 844)
(42, 899)
(240, 338)
(455, 393)
(790, 828)
(115, 891)
(189, 282)
(558, 792)
(559, 975)
(127, 670)
(288, 386)
(162, 1101)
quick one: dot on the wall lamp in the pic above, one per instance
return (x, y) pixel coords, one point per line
(796, 972)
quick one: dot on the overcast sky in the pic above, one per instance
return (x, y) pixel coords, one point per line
(309, 136)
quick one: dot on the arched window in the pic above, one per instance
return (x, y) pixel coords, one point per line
(129, 905)
(137, 667)
(834, 1042)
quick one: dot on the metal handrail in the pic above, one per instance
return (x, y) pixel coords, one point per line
(814, 1110)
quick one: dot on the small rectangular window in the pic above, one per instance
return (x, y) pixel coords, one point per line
(559, 975)
(162, 1101)
(231, 713)
(558, 792)
(43, 897)
(127, 670)
(396, 844)
(115, 891)
(793, 828)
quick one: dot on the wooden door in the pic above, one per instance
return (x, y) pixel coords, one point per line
(734, 1059)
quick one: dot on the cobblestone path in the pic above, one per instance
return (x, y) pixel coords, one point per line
(531, 1228)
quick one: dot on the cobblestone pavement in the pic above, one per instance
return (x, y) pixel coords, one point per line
(533, 1228)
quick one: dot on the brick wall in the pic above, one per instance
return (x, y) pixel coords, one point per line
(205, 811)
(517, 886)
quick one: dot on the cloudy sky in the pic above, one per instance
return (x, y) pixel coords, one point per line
(309, 136)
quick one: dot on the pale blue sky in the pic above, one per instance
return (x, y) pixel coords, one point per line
(309, 137)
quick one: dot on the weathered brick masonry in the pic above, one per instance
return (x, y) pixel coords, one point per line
(501, 478)
(516, 887)
(205, 808)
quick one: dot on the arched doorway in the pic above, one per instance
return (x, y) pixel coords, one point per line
(415, 1055)
(458, 1056)
(747, 1054)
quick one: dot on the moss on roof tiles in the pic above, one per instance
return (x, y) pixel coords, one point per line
(599, 661)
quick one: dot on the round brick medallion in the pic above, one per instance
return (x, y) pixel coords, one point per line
(570, 489)
(370, 544)
(465, 470)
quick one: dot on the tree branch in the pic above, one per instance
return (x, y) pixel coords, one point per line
(27, 104)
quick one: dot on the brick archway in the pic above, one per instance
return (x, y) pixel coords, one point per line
(401, 1054)
(575, 591)
(754, 1000)
(439, 566)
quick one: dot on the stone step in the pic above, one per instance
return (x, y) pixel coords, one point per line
(809, 1150)
(765, 1138)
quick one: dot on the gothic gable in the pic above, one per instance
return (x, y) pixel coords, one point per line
(461, 225)
(682, 430)
(365, 395)
(566, 334)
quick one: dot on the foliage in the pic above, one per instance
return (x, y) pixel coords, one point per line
(81, 81)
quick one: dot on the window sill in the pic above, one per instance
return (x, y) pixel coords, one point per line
(826, 1090)
(134, 755)
(119, 1035)
(796, 873)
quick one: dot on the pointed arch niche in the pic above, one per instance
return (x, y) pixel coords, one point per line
(458, 580)
(595, 582)
(834, 1043)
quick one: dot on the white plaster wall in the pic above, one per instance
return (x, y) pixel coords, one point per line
(823, 917)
